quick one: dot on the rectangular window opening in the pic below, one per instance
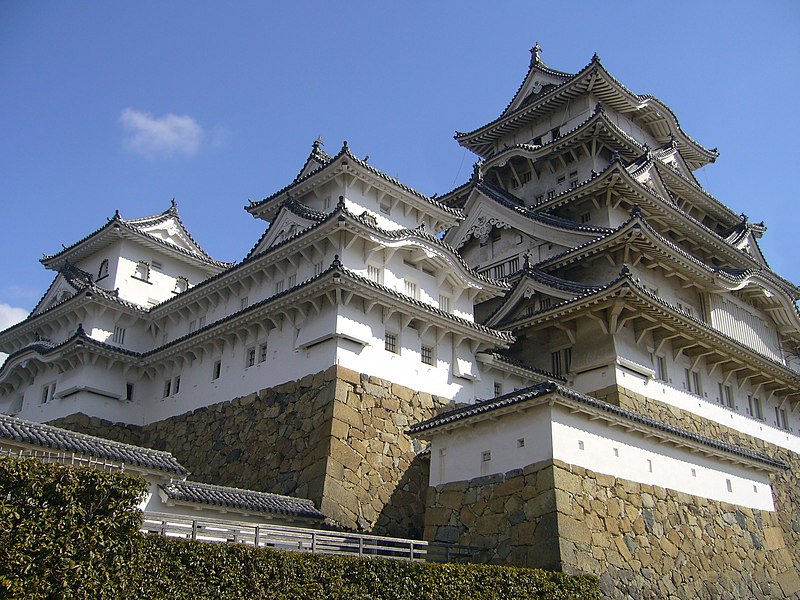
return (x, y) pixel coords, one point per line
(390, 343)
(426, 355)
(215, 372)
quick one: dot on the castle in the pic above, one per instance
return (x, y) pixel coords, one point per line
(579, 359)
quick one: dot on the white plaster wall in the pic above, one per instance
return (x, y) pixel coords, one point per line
(575, 439)
(458, 455)
(614, 451)
(712, 410)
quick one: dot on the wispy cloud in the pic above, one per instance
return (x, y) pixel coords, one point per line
(10, 315)
(166, 135)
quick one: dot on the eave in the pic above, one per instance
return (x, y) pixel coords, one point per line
(552, 394)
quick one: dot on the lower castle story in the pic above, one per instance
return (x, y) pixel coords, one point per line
(356, 445)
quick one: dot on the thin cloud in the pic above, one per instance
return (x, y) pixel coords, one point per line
(167, 135)
(10, 315)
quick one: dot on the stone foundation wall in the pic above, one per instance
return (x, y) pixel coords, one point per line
(642, 541)
(785, 486)
(336, 437)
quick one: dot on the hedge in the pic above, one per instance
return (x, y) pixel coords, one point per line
(73, 533)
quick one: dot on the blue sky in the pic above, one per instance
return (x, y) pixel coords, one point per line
(112, 105)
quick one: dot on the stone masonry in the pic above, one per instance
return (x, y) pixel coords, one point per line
(336, 437)
(642, 541)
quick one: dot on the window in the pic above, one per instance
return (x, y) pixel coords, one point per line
(586, 217)
(444, 303)
(660, 364)
(560, 361)
(192, 326)
(726, 395)
(48, 391)
(216, 370)
(521, 443)
(694, 384)
(119, 335)
(554, 132)
(374, 273)
(156, 265)
(754, 406)
(181, 285)
(326, 203)
(279, 286)
(539, 198)
(103, 271)
(685, 308)
(142, 271)
(317, 268)
(262, 352)
(426, 355)
(250, 357)
(544, 303)
(176, 385)
(412, 289)
(486, 456)
(526, 177)
(167, 387)
(551, 194)
(201, 322)
(390, 342)
(573, 174)
(780, 418)
(292, 280)
(129, 391)
(386, 208)
(498, 388)
(244, 302)
(561, 179)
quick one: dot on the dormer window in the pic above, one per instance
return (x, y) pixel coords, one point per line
(181, 285)
(142, 271)
(103, 270)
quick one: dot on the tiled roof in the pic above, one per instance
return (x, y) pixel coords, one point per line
(593, 68)
(521, 365)
(63, 440)
(248, 500)
(135, 226)
(550, 387)
(510, 201)
(345, 152)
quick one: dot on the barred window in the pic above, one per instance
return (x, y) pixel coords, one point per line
(390, 343)
(427, 355)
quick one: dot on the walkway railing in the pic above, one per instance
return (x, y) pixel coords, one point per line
(284, 538)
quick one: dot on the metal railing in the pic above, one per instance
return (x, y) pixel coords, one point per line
(283, 537)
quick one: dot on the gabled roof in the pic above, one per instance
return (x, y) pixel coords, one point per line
(532, 279)
(13, 429)
(291, 216)
(316, 159)
(73, 277)
(345, 159)
(240, 499)
(594, 79)
(514, 210)
(143, 230)
(575, 401)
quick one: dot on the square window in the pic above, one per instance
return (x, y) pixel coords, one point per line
(486, 456)
(426, 355)
(250, 357)
(390, 343)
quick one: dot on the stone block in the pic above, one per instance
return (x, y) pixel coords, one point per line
(574, 530)
(773, 538)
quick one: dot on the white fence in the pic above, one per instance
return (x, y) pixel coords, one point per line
(284, 538)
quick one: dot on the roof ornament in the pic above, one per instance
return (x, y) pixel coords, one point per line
(526, 260)
(340, 203)
(336, 262)
(477, 171)
(318, 143)
(596, 57)
(615, 157)
(636, 211)
(744, 218)
(537, 48)
(173, 204)
(598, 108)
(625, 272)
(366, 158)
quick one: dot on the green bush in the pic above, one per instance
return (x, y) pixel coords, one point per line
(72, 533)
(66, 532)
